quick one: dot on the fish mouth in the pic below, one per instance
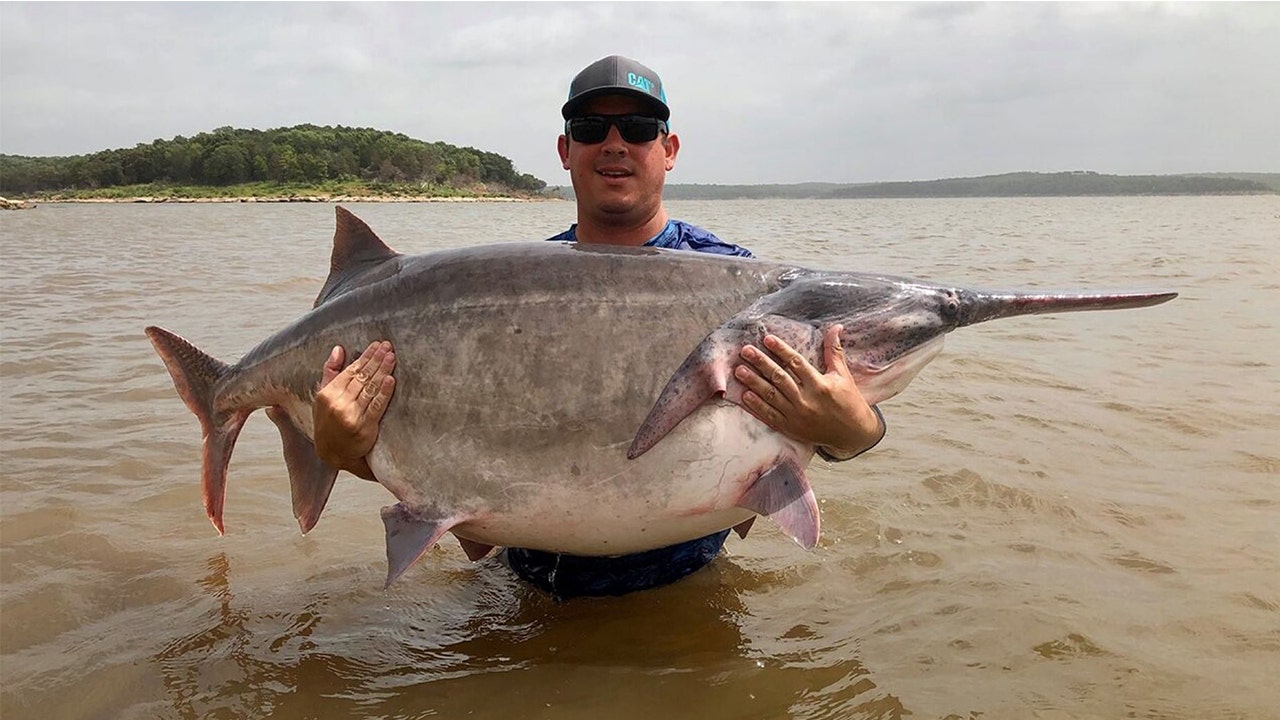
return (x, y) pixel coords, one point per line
(880, 381)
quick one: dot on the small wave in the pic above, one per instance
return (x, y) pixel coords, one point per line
(1074, 645)
(1135, 561)
(968, 488)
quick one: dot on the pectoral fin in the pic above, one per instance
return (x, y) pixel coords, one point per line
(783, 494)
(708, 371)
(704, 374)
(310, 478)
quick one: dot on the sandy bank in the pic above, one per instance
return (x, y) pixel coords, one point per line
(7, 204)
(294, 199)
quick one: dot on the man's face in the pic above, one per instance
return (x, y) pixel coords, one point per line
(618, 183)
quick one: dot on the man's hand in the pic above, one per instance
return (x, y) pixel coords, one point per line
(350, 404)
(797, 400)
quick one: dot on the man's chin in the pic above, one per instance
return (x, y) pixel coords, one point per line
(616, 203)
(617, 208)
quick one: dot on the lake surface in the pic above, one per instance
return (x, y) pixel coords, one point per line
(1072, 516)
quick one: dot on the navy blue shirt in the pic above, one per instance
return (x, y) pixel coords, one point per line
(566, 576)
(676, 235)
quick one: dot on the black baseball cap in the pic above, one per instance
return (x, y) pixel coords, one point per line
(616, 75)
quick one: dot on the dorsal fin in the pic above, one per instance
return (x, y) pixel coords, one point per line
(356, 249)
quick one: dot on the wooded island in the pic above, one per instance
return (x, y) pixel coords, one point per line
(319, 163)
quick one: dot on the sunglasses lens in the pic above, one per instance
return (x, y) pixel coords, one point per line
(638, 129)
(589, 130)
(632, 128)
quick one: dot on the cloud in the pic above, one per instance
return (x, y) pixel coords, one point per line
(761, 92)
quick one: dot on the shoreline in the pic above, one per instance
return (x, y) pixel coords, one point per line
(158, 200)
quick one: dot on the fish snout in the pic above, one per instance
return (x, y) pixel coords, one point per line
(977, 306)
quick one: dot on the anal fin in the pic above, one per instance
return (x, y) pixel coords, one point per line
(310, 478)
(409, 536)
(783, 494)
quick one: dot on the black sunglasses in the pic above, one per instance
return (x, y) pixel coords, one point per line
(592, 129)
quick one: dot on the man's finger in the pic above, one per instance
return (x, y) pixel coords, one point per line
(333, 365)
(353, 379)
(379, 400)
(762, 388)
(761, 410)
(834, 351)
(794, 362)
(771, 371)
(379, 369)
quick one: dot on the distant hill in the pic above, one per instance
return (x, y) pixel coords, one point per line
(1271, 180)
(1027, 184)
(1024, 184)
(299, 155)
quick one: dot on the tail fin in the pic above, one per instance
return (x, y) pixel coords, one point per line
(196, 376)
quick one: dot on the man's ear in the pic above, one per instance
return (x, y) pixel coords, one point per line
(672, 146)
(563, 146)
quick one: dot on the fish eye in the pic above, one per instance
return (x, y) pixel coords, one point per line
(951, 306)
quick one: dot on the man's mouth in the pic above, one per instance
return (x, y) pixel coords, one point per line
(613, 172)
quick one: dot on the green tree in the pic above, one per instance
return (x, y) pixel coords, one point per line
(226, 165)
(298, 154)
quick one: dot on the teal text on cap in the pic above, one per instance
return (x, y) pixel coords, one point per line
(616, 74)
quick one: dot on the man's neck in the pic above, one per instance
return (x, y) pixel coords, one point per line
(610, 234)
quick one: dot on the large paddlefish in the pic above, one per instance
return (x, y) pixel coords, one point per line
(573, 398)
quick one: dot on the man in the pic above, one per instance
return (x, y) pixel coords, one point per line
(618, 148)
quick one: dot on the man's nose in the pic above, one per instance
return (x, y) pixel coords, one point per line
(613, 142)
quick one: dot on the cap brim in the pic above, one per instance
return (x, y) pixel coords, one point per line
(571, 107)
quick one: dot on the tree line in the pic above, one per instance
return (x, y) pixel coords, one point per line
(303, 154)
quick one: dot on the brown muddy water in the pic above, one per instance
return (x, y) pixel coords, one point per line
(1074, 516)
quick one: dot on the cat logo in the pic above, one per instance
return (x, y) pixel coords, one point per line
(640, 81)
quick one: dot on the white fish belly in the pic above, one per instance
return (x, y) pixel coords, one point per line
(594, 501)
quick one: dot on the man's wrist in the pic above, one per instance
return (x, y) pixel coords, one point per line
(360, 468)
(838, 455)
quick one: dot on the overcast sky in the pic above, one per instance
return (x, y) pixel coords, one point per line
(760, 92)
